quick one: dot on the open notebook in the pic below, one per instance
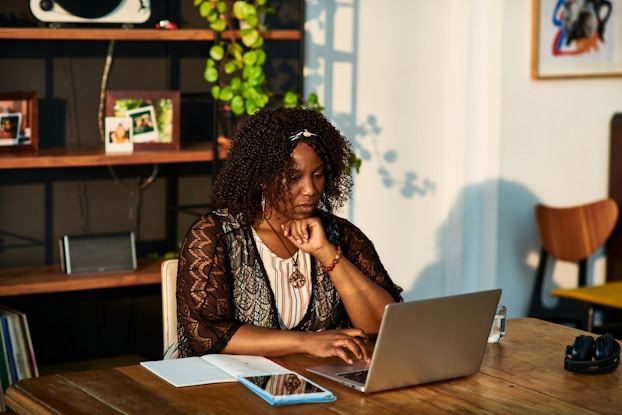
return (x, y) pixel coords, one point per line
(423, 341)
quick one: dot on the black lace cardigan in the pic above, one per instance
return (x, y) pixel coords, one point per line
(222, 283)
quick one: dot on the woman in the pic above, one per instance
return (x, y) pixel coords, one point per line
(271, 271)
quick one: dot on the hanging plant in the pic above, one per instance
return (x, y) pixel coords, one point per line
(235, 66)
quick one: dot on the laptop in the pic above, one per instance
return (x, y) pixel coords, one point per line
(423, 341)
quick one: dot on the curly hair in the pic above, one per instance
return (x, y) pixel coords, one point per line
(261, 153)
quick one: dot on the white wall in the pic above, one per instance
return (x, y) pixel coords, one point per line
(458, 143)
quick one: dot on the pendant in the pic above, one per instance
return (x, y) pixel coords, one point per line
(297, 280)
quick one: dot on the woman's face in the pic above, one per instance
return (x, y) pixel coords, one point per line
(306, 184)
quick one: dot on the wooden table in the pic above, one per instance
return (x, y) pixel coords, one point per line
(521, 375)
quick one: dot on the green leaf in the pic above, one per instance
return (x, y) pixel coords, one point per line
(238, 9)
(221, 6)
(251, 107)
(249, 37)
(236, 51)
(290, 99)
(216, 92)
(242, 10)
(254, 75)
(249, 58)
(261, 57)
(212, 16)
(218, 26)
(237, 105)
(235, 84)
(258, 43)
(217, 52)
(252, 20)
(226, 94)
(211, 74)
(313, 99)
(204, 9)
(257, 81)
(231, 67)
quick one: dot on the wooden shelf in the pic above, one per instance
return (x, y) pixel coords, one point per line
(37, 33)
(89, 156)
(43, 279)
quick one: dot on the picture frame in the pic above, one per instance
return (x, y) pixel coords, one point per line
(21, 110)
(576, 39)
(163, 107)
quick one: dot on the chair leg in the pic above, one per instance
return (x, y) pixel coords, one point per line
(583, 273)
(590, 319)
(566, 311)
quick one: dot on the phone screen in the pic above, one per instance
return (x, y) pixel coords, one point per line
(284, 384)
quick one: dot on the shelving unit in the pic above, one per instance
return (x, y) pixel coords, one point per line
(74, 157)
(43, 286)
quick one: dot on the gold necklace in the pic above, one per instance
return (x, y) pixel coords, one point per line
(297, 279)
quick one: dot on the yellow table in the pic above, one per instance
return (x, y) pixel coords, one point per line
(595, 296)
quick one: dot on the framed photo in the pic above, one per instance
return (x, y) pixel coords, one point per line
(119, 138)
(155, 117)
(19, 118)
(576, 38)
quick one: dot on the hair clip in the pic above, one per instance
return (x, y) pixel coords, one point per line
(302, 133)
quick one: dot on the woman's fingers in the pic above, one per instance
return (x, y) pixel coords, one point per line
(345, 344)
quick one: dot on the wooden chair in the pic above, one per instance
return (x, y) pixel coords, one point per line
(571, 234)
(169, 303)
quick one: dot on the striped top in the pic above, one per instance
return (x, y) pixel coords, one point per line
(291, 302)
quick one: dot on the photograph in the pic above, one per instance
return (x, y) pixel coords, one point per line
(10, 127)
(144, 125)
(119, 135)
(576, 38)
(155, 116)
(19, 116)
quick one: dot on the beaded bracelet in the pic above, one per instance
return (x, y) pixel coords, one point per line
(332, 265)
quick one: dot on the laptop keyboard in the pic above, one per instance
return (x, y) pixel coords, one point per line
(357, 376)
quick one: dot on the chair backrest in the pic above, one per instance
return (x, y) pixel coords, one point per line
(570, 234)
(574, 233)
(169, 302)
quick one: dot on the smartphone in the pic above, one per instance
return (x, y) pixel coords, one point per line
(286, 389)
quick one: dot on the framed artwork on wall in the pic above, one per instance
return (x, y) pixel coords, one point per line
(576, 38)
(155, 117)
(19, 116)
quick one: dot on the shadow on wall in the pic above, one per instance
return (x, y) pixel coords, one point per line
(322, 56)
(364, 136)
(482, 247)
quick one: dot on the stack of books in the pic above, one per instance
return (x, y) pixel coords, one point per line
(17, 356)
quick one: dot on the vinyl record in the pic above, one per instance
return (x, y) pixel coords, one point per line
(91, 9)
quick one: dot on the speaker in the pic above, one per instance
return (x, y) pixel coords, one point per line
(591, 356)
(100, 11)
(97, 253)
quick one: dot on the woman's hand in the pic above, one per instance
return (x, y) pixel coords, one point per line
(342, 343)
(308, 234)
